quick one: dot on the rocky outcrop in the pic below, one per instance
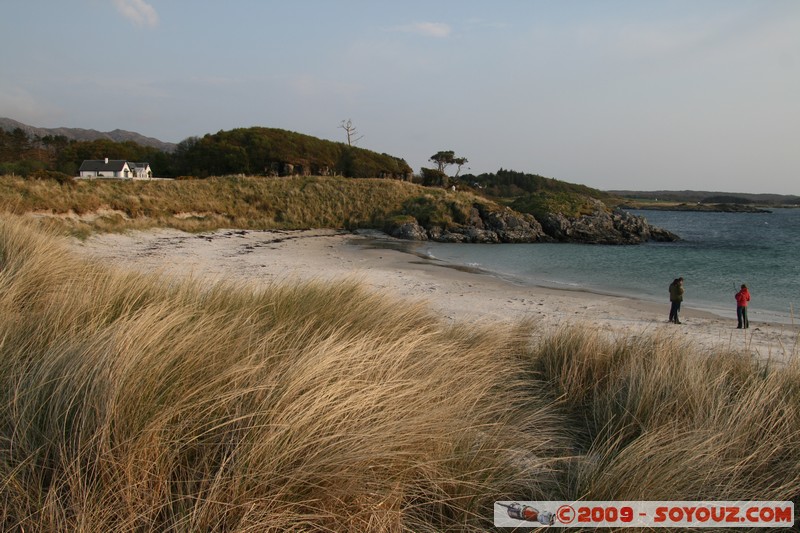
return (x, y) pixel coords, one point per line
(489, 224)
(485, 224)
(602, 226)
(511, 226)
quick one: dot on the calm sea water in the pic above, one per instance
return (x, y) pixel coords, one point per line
(718, 252)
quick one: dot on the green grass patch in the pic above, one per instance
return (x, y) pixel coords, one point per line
(542, 203)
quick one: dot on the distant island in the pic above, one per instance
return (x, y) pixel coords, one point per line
(709, 207)
(704, 201)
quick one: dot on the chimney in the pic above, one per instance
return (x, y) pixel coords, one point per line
(106, 160)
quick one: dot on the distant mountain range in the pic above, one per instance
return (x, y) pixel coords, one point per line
(79, 134)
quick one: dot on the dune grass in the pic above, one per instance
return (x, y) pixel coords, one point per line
(137, 403)
(662, 421)
(133, 403)
(80, 207)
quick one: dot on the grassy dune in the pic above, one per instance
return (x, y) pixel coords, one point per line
(135, 403)
(662, 421)
(83, 206)
(132, 403)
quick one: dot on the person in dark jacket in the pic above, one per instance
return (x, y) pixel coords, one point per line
(742, 298)
(675, 298)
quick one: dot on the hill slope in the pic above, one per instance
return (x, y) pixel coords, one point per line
(277, 152)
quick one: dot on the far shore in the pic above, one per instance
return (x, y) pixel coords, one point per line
(257, 257)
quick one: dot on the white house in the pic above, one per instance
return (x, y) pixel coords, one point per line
(141, 170)
(114, 168)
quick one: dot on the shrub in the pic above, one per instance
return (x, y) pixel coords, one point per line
(432, 177)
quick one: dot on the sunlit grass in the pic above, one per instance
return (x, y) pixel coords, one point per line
(84, 206)
(663, 421)
(130, 402)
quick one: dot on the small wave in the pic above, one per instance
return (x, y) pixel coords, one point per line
(567, 283)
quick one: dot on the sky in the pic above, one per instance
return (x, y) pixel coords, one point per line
(613, 94)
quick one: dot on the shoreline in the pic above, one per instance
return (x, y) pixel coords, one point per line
(380, 240)
(456, 293)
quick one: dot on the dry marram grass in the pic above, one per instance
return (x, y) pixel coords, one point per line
(132, 402)
(135, 403)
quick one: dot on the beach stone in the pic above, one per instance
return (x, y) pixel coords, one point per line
(475, 219)
(481, 236)
(447, 236)
(410, 231)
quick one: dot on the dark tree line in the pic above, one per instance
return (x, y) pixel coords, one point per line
(24, 155)
(510, 183)
(250, 151)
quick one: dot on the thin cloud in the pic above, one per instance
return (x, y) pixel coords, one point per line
(429, 29)
(139, 12)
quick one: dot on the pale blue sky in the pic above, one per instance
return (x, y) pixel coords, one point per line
(635, 94)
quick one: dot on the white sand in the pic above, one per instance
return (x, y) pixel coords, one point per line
(266, 256)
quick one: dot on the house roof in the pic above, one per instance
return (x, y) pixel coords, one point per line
(100, 165)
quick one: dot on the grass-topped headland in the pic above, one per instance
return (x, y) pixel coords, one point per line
(130, 402)
(541, 209)
(398, 207)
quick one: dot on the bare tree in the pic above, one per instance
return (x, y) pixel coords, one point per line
(352, 134)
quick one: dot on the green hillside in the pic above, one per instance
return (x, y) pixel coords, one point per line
(277, 152)
(537, 195)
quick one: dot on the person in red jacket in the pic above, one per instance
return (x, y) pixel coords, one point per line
(742, 297)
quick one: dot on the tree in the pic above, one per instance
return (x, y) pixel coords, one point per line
(20, 143)
(351, 132)
(445, 158)
(432, 177)
(459, 162)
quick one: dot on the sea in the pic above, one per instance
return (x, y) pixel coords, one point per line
(717, 253)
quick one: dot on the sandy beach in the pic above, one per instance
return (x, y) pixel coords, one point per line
(257, 257)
